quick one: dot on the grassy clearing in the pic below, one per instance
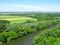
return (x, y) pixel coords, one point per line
(17, 19)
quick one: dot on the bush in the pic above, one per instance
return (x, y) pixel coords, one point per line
(47, 37)
(3, 37)
(3, 25)
(12, 35)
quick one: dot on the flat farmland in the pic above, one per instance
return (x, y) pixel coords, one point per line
(17, 19)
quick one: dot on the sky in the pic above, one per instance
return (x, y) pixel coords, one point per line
(29, 5)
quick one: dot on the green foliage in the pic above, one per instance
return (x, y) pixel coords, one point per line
(15, 30)
(47, 37)
(3, 37)
(12, 35)
(3, 25)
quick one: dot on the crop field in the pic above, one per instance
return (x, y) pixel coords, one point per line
(17, 19)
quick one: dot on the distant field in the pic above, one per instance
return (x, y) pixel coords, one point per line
(17, 19)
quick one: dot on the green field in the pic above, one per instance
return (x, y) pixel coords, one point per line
(17, 19)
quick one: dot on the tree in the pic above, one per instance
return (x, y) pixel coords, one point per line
(3, 25)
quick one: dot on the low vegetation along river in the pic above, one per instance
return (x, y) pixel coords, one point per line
(26, 40)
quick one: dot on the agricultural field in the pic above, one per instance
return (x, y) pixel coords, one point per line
(40, 29)
(17, 19)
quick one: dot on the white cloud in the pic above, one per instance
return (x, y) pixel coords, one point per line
(13, 7)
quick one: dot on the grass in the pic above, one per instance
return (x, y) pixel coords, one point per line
(17, 19)
(57, 42)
